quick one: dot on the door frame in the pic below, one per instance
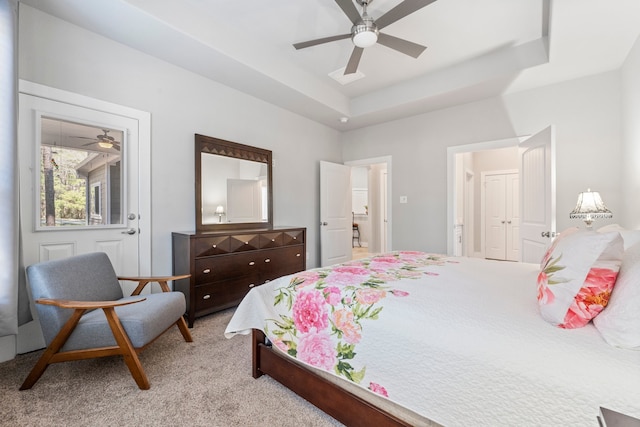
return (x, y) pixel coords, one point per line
(452, 173)
(144, 159)
(389, 196)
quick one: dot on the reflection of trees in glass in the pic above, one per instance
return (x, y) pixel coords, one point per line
(63, 194)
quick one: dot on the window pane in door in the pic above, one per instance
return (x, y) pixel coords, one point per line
(80, 175)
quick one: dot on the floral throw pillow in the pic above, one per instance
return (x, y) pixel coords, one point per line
(577, 275)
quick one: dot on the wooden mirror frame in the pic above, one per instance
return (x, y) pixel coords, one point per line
(221, 147)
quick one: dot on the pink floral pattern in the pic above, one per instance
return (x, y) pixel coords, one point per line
(591, 299)
(328, 309)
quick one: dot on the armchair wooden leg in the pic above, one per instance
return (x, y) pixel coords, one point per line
(184, 330)
(43, 363)
(128, 352)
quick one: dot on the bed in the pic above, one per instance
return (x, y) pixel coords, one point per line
(410, 338)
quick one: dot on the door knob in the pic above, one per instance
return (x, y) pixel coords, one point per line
(324, 223)
(546, 234)
(130, 231)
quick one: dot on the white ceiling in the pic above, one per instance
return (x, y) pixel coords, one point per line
(476, 48)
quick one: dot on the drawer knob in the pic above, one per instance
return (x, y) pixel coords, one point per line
(207, 296)
(252, 263)
(246, 243)
(298, 254)
(206, 271)
(273, 240)
(267, 260)
(295, 238)
(251, 285)
(215, 246)
(267, 281)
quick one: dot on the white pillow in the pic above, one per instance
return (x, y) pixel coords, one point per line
(577, 275)
(619, 322)
(631, 237)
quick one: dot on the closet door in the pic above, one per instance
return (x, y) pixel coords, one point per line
(512, 226)
(495, 213)
(502, 216)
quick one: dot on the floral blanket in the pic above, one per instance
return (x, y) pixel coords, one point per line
(459, 341)
(328, 310)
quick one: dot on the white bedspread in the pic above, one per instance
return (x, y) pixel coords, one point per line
(466, 346)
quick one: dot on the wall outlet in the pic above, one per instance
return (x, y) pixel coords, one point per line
(403, 199)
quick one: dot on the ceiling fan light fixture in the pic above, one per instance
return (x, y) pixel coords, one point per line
(365, 33)
(105, 144)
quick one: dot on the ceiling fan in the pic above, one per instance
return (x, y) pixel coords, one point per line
(365, 31)
(104, 141)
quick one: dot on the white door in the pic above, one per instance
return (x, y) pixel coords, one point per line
(76, 200)
(512, 229)
(495, 217)
(537, 194)
(502, 217)
(335, 213)
(384, 229)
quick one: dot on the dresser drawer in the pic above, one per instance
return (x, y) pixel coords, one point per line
(214, 245)
(270, 240)
(210, 269)
(293, 237)
(280, 262)
(244, 242)
(225, 293)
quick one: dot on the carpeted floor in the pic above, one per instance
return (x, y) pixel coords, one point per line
(204, 383)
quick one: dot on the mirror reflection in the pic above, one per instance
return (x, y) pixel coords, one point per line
(233, 185)
(236, 190)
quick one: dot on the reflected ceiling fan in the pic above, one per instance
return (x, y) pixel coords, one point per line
(104, 141)
(366, 31)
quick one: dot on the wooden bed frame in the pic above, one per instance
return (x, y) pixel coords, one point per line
(342, 405)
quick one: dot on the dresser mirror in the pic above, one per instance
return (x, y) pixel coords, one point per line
(233, 185)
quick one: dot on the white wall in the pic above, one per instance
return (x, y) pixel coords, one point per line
(631, 138)
(57, 54)
(587, 116)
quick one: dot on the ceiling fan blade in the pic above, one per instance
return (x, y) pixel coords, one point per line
(354, 60)
(350, 10)
(405, 8)
(310, 43)
(401, 45)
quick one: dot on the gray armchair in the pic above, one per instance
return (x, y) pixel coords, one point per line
(84, 314)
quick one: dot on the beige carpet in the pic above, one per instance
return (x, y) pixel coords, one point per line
(204, 383)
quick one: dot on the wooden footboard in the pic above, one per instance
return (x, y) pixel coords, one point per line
(342, 405)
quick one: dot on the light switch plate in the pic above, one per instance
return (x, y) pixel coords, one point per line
(403, 199)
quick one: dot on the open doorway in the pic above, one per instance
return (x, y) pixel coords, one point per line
(473, 169)
(370, 183)
(533, 181)
(488, 217)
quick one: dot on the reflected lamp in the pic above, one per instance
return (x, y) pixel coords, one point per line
(220, 212)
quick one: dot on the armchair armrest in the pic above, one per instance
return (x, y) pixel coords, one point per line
(162, 281)
(86, 305)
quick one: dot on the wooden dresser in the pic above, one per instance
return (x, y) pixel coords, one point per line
(225, 265)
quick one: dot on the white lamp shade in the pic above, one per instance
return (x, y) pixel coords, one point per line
(220, 209)
(589, 207)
